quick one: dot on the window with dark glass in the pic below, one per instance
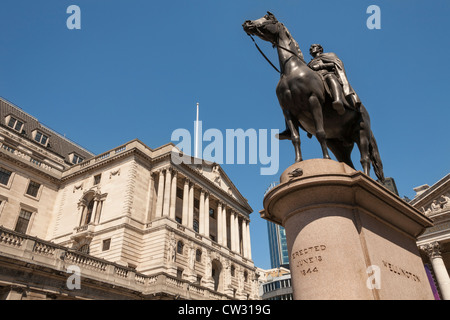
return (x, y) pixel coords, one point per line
(106, 244)
(41, 138)
(196, 225)
(89, 209)
(97, 179)
(4, 176)
(211, 213)
(180, 246)
(15, 124)
(76, 159)
(33, 188)
(198, 255)
(23, 221)
(179, 193)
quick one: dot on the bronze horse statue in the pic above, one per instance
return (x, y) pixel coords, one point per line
(306, 104)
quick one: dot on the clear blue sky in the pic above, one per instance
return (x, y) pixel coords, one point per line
(136, 69)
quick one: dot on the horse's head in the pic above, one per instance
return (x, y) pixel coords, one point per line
(266, 27)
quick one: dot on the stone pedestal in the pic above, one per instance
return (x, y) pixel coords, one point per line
(348, 237)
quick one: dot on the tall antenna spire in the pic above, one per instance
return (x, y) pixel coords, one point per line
(196, 135)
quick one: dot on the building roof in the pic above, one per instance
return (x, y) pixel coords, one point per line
(426, 193)
(57, 143)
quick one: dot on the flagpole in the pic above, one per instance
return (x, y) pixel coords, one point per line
(196, 135)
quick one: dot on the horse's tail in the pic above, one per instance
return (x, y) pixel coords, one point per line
(374, 155)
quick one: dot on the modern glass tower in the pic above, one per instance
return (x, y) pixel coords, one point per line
(278, 246)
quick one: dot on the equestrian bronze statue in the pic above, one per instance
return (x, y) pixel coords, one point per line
(317, 98)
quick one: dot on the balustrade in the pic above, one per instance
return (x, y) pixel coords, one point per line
(106, 270)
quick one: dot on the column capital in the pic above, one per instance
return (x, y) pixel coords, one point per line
(433, 249)
(159, 171)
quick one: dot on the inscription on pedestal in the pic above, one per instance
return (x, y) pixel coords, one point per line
(308, 259)
(400, 271)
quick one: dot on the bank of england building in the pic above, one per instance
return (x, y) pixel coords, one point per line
(129, 223)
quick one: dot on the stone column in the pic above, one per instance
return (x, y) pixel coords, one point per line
(249, 244)
(434, 253)
(151, 186)
(219, 223)
(81, 211)
(206, 210)
(244, 238)
(184, 217)
(173, 195)
(236, 233)
(191, 206)
(233, 230)
(94, 211)
(202, 213)
(167, 192)
(160, 197)
(98, 211)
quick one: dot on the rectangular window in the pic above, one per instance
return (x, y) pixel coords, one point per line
(76, 159)
(97, 179)
(15, 124)
(33, 188)
(41, 138)
(179, 193)
(4, 176)
(23, 221)
(106, 244)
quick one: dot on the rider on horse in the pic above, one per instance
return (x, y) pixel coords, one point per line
(331, 69)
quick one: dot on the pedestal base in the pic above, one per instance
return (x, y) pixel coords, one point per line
(348, 237)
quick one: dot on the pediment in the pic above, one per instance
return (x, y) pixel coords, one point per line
(214, 173)
(439, 205)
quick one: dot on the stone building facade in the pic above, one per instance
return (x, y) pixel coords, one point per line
(434, 243)
(130, 222)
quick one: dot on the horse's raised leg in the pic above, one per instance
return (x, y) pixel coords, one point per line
(316, 110)
(295, 136)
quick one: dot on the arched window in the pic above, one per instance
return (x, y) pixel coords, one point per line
(90, 206)
(216, 270)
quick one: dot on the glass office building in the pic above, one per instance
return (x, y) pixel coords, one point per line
(278, 247)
